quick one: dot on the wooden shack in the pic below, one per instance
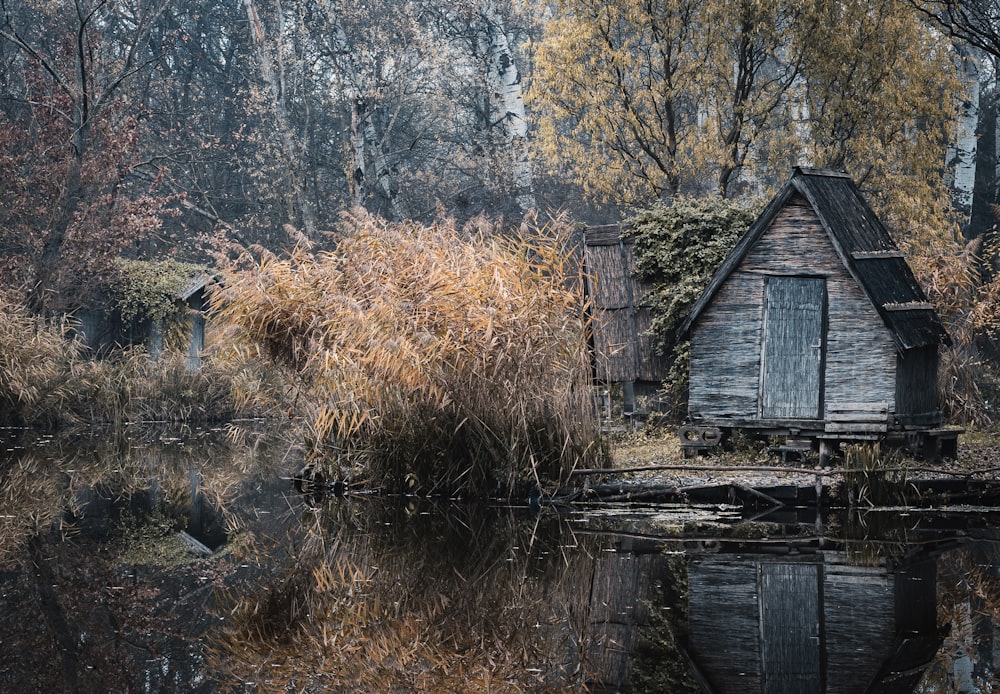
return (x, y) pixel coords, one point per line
(103, 331)
(621, 345)
(815, 328)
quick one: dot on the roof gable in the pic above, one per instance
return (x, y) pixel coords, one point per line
(864, 247)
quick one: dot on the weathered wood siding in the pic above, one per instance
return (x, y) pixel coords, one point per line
(623, 348)
(724, 623)
(790, 623)
(609, 267)
(622, 590)
(860, 356)
(725, 351)
(859, 622)
(916, 383)
(810, 624)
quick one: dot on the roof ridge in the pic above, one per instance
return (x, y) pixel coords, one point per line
(810, 171)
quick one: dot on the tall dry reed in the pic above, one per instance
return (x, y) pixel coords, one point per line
(36, 359)
(373, 604)
(47, 379)
(963, 285)
(451, 358)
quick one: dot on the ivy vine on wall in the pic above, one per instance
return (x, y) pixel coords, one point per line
(146, 292)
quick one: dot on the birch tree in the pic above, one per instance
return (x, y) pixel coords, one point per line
(480, 155)
(505, 95)
(960, 171)
(270, 54)
(364, 69)
(975, 27)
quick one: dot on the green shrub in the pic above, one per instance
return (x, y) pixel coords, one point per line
(144, 293)
(678, 247)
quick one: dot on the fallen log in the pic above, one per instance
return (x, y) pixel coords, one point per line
(824, 471)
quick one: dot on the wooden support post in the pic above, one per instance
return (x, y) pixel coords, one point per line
(628, 403)
(628, 398)
(827, 448)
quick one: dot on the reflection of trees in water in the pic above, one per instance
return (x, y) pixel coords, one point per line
(376, 594)
(659, 664)
(79, 610)
(969, 609)
(871, 538)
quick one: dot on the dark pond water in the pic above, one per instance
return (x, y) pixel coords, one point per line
(186, 562)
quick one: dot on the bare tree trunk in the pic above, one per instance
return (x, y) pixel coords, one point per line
(358, 165)
(506, 98)
(276, 91)
(383, 174)
(365, 141)
(961, 168)
(72, 196)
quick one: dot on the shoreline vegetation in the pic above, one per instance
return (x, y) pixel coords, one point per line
(49, 380)
(436, 359)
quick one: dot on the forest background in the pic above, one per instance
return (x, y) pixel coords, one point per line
(152, 130)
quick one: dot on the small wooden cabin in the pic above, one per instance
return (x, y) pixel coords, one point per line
(621, 345)
(102, 330)
(815, 327)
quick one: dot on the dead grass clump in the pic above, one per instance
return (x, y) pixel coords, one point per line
(48, 380)
(965, 288)
(451, 358)
(875, 477)
(129, 386)
(35, 367)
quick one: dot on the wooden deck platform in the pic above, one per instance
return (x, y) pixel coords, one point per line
(799, 443)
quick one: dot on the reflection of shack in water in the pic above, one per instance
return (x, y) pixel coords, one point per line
(811, 623)
(621, 592)
(198, 523)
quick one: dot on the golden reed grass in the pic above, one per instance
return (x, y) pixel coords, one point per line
(453, 358)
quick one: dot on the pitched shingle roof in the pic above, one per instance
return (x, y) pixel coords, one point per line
(863, 245)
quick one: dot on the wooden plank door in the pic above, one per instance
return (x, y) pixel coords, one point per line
(793, 343)
(791, 643)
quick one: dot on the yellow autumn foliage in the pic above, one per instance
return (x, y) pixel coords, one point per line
(641, 101)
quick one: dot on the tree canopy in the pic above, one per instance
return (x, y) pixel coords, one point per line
(139, 131)
(641, 101)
